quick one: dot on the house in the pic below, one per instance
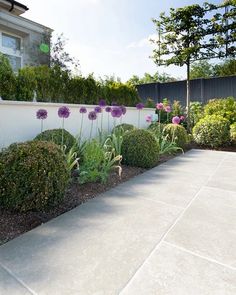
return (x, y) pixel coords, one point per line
(23, 41)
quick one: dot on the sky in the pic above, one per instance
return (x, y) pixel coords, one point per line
(109, 37)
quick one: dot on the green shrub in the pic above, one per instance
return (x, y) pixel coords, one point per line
(212, 131)
(233, 132)
(156, 128)
(55, 135)
(140, 149)
(124, 126)
(196, 112)
(225, 107)
(7, 79)
(26, 84)
(176, 133)
(33, 175)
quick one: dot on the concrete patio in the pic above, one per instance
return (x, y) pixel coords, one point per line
(169, 231)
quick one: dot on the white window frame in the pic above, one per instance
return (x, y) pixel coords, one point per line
(10, 51)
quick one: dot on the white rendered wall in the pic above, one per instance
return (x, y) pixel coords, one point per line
(18, 120)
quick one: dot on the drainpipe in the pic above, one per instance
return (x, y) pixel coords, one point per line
(12, 5)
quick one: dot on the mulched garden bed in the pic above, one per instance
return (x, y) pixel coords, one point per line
(13, 224)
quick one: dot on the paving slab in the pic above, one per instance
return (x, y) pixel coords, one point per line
(170, 219)
(208, 227)
(10, 286)
(171, 271)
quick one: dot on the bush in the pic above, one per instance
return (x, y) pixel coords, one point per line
(176, 133)
(225, 107)
(212, 131)
(233, 132)
(55, 135)
(124, 126)
(140, 149)
(33, 175)
(156, 128)
(26, 84)
(7, 79)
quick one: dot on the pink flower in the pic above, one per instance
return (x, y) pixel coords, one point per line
(160, 106)
(182, 118)
(176, 120)
(168, 109)
(148, 118)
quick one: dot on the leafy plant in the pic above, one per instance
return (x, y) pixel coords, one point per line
(176, 133)
(212, 130)
(225, 107)
(7, 79)
(111, 161)
(233, 132)
(140, 149)
(196, 112)
(167, 146)
(33, 175)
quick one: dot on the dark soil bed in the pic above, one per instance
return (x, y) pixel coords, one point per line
(229, 148)
(13, 224)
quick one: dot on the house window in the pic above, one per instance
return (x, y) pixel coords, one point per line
(11, 47)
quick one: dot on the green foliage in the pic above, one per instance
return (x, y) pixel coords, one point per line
(156, 128)
(26, 84)
(168, 146)
(212, 130)
(233, 132)
(196, 112)
(33, 175)
(140, 149)
(60, 137)
(124, 126)
(7, 79)
(177, 109)
(148, 78)
(176, 133)
(150, 103)
(226, 68)
(225, 107)
(201, 69)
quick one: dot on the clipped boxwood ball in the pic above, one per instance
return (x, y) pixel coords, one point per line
(55, 135)
(177, 133)
(140, 148)
(125, 127)
(212, 131)
(33, 175)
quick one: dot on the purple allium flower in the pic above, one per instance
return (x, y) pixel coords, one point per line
(114, 104)
(168, 109)
(182, 118)
(98, 109)
(41, 114)
(123, 109)
(139, 106)
(160, 106)
(108, 109)
(83, 110)
(176, 120)
(64, 112)
(116, 112)
(102, 103)
(148, 118)
(92, 115)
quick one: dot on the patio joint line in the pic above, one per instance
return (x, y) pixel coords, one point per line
(171, 227)
(17, 279)
(200, 256)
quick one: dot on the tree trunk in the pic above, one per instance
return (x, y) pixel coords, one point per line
(188, 95)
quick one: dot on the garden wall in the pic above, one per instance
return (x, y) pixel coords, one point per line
(18, 120)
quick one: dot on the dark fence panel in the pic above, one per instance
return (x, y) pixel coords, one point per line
(200, 89)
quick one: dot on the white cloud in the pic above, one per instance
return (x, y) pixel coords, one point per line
(145, 42)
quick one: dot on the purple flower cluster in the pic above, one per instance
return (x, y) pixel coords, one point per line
(176, 120)
(98, 109)
(83, 110)
(64, 112)
(41, 114)
(123, 109)
(102, 103)
(139, 106)
(108, 109)
(92, 115)
(116, 112)
(159, 106)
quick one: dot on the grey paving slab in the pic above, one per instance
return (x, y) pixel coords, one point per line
(94, 249)
(10, 286)
(171, 271)
(208, 227)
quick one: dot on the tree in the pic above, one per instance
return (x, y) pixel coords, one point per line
(201, 69)
(148, 78)
(227, 68)
(188, 34)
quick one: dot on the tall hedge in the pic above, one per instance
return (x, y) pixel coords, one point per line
(57, 85)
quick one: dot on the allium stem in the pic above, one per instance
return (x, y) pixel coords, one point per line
(41, 125)
(108, 121)
(62, 133)
(114, 122)
(81, 126)
(91, 128)
(101, 120)
(138, 118)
